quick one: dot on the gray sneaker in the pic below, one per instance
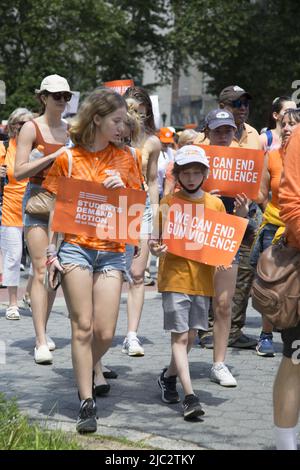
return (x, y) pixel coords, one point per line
(191, 407)
(87, 418)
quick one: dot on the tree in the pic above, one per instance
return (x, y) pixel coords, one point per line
(249, 43)
(88, 42)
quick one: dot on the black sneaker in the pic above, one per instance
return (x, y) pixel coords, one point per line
(87, 419)
(191, 407)
(167, 385)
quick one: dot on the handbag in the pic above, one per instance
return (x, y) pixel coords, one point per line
(276, 287)
(40, 202)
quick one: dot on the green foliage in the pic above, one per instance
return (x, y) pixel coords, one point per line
(87, 42)
(17, 434)
(250, 43)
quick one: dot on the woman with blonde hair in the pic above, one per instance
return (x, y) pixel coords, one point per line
(87, 264)
(12, 224)
(49, 133)
(150, 147)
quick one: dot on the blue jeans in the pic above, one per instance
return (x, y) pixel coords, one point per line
(263, 241)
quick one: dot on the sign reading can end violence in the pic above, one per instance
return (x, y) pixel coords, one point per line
(202, 235)
(120, 86)
(89, 209)
(234, 170)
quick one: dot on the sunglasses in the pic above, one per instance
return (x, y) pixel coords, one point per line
(239, 103)
(57, 96)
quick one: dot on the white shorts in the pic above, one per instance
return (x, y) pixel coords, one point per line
(11, 247)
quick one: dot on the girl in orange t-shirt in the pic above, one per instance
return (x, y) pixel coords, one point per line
(12, 223)
(89, 265)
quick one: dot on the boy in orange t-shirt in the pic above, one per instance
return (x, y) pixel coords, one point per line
(186, 285)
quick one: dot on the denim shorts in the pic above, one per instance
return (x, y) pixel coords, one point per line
(31, 220)
(183, 312)
(94, 260)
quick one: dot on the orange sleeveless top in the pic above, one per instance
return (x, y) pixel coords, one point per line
(48, 149)
(275, 168)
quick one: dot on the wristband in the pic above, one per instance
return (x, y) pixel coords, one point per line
(50, 261)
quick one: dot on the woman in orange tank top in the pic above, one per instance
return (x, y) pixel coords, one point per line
(49, 133)
(12, 224)
(271, 220)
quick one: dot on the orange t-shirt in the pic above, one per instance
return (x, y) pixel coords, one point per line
(275, 169)
(92, 166)
(289, 192)
(13, 191)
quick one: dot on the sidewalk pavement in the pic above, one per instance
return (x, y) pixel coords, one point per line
(235, 418)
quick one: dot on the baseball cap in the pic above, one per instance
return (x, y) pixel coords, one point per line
(53, 84)
(191, 154)
(166, 135)
(219, 117)
(232, 93)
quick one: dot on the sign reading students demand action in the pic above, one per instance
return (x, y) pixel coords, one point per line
(202, 235)
(89, 209)
(234, 170)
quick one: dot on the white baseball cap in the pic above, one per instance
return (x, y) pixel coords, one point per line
(191, 154)
(53, 84)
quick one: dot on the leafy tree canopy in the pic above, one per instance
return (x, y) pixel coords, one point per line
(87, 42)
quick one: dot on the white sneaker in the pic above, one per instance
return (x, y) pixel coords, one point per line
(12, 313)
(50, 343)
(132, 347)
(42, 355)
(222, 375)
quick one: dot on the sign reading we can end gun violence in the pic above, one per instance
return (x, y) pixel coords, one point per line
(89, 209)
(202, 235)
(234, 170)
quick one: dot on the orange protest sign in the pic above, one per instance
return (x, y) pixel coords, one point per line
(202, 235)
(87, 208)
(120, 86)
(234, 170)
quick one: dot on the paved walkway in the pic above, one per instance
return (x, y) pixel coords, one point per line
(239, 418)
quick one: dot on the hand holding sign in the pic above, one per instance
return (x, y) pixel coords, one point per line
(156, 248)
(241, 205)
(113, 180)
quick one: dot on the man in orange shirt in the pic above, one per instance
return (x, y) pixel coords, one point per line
(286, 393)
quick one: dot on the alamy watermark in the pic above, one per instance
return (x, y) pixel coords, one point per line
(296, 94)
(2, 92)
(296, 354)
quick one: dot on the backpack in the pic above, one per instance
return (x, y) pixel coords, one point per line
(276, 288)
